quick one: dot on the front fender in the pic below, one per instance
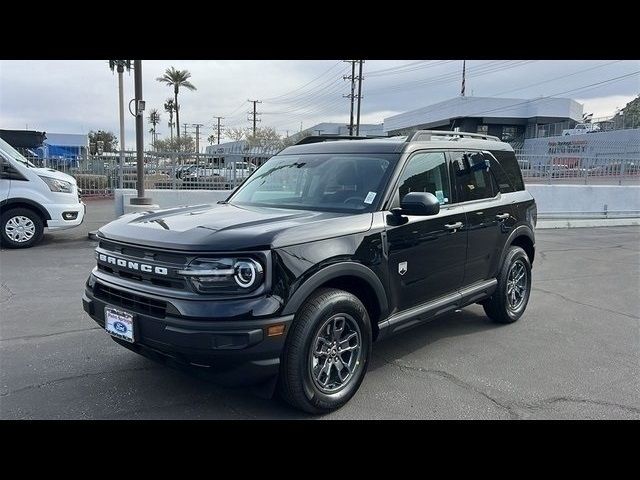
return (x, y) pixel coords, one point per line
(336, 270)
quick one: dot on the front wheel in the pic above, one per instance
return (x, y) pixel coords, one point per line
(326, 353)
(20, 228)
(508, 302)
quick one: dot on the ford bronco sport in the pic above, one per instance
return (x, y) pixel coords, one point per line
(326, 248)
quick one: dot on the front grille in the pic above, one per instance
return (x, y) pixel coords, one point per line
(130, 301)
(166, 282)
(171, 261)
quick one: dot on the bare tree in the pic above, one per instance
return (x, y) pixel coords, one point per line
(235, 134)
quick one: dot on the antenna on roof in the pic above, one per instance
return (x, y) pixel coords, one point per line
(464, 73)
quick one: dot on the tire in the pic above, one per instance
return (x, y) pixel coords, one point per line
(20, 228)
(302, 373)
(498, 307)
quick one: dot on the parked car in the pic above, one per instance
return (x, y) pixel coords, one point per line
(32, 199)
(581, 129)
(327, 248)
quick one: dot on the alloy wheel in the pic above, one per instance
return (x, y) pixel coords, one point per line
(335, 353)
(516, 285)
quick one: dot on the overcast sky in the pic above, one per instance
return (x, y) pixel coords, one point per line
(78, 96)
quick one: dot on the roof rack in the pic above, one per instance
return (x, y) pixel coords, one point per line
(425, 135)
(327, 138)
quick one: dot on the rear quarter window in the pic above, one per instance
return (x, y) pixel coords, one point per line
(510, 166)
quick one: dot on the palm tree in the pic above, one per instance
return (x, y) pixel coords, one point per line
(177, 78)
(169, 107)
(154, 119)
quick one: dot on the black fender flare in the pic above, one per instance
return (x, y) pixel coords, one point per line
(4, 204)
(343, 269)
(519, 231)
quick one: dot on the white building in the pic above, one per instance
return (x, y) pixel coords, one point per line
(506, 118)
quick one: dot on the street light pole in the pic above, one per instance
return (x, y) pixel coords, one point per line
(139, 106)
(121, 100)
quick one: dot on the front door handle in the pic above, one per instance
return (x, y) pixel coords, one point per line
(453, 226)
(502, 216)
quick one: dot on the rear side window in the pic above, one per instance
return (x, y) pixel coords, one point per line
(504, 184)
(472, 177)
(509, 164)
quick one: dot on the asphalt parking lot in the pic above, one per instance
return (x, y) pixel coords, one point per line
(574, 355)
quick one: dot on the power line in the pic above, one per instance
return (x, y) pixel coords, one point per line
(400, 70)
(305, 85)
(483, 69)
(470, 100)
(304, 97)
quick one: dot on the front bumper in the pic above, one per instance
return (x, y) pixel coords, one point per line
(237, 351)
(56, 212)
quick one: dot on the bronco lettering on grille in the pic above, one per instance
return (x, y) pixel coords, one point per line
(142, 267)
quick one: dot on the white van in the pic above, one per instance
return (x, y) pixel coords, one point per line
(33, 198)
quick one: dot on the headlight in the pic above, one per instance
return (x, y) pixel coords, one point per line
(224, 275)
(56, 185)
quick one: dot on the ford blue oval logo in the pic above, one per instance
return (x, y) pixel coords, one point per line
(120, 327)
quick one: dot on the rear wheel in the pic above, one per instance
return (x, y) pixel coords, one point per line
(509, 301)
(20, 228)
(326, 352)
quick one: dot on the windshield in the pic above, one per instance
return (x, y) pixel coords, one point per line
(14, 154)
(325, 182)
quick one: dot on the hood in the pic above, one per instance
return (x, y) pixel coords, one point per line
(50, 172)
(228, 227)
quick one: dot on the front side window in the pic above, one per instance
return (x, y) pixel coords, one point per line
(472, 177)
(325, 182)
(426, 172)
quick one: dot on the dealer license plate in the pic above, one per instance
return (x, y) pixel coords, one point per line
(119, 323)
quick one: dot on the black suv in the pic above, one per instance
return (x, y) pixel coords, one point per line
(326, 248)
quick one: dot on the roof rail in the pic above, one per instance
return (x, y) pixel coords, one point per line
(425, 135)
(327, 138)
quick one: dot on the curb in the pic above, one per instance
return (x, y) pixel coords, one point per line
(586, 223)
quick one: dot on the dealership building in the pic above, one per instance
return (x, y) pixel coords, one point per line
(510, 119)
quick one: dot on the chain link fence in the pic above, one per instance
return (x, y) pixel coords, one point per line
(100, 175)
(611, 170)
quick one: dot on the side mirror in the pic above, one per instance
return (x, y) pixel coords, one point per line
(419, 203)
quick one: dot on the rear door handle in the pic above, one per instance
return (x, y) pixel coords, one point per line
(453, 226)
(502, 216)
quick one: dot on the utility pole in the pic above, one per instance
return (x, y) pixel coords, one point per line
(219, 127)
(360, 78)
(139, 106)
(464, 74)
(351, 77)
(184, 127)
(197, 125)
(254, 114)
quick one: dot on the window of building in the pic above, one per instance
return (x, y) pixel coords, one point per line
(472, 177)
(509, 133)
(426, 172)
(483, 129)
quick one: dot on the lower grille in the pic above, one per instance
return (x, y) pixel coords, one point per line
(131, 301)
